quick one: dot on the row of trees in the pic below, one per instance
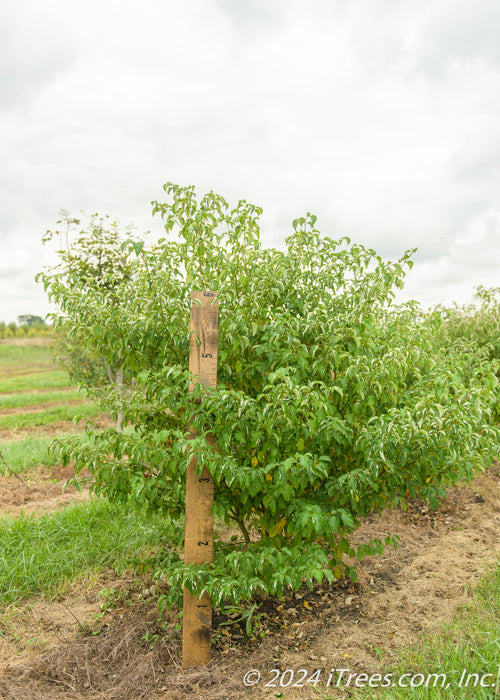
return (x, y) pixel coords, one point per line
(332, 401)
(27, 325)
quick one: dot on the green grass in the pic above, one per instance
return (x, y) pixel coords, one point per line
(470, 642)
(11, 354)
(39, 380)
(51, 415)
(39, 554)
(18, 400)
(23, 455)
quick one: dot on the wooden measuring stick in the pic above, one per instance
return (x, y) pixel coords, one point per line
(198, 543)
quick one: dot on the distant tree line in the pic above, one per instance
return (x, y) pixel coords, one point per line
(27, 325)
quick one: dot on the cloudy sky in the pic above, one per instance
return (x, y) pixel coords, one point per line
(382, 117)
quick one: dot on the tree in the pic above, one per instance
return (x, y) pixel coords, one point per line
(332, 401)
(476, 324)
(30, 320)
(86, 284)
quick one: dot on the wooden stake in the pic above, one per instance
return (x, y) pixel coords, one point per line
(198, 547)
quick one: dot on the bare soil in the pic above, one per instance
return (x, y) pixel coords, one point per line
(34, 368)
(42, 406)
(58, 649)
(43, 490)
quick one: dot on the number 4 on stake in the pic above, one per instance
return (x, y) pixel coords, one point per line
(198, 547)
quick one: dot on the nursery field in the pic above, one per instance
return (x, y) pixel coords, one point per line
(77, 620)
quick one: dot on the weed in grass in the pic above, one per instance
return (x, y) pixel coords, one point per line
(23, 455)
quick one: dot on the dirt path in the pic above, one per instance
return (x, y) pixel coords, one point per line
(398, 597)
(39, 341)
(27, 368)
(43, 406)
(38, 391)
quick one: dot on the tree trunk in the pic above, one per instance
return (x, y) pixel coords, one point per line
(117, 380)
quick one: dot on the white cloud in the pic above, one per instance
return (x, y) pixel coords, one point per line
(458, 32)
(381, 118)
(33, 53)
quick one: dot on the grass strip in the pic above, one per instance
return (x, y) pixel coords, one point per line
(51, 415)
(461, 660)
(39, 380)
(39, 554)
(11, 354)
(23, 455)
(18, 400)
